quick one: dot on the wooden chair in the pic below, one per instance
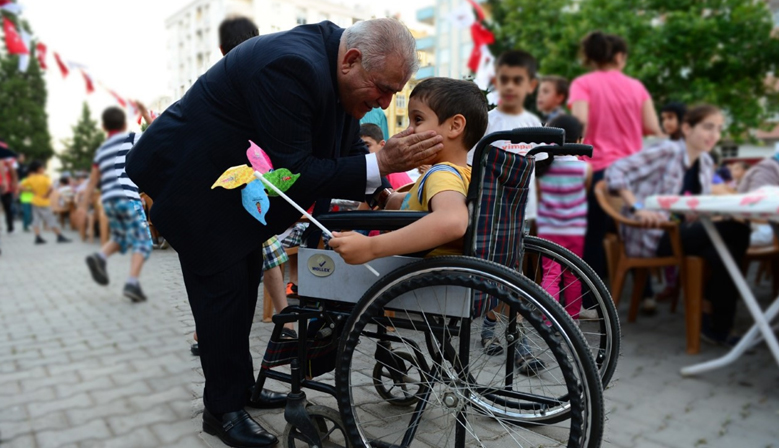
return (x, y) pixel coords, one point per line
(768, 257)
(405, 188)
(619, 264)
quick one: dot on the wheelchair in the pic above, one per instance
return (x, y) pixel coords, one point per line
(407, 362)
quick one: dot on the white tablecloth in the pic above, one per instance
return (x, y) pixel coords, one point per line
(759, 204)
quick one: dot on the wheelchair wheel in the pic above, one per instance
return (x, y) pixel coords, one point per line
(329, 427)
(545, 389)
(600, 323)
(399, 384)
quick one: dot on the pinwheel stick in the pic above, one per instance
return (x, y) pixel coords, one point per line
(327, 232)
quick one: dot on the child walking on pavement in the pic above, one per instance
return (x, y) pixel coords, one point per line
(40, 185)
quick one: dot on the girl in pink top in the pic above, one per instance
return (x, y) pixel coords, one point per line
(616, 111)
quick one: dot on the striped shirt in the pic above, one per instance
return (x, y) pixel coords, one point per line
(110, 159)
(562, 208)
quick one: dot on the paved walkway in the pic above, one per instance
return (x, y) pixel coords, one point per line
(80, 366)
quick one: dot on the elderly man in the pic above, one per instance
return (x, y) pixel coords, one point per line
(298, 95)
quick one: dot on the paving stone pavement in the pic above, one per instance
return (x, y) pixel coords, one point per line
(81, 366)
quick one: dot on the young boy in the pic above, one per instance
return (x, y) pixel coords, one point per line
(552, 94)
(373, 137)
(121, 204)
(457, 110)
(40, 185)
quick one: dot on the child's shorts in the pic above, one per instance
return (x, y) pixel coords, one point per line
(128, 225)
(273, 254)
(43, 215)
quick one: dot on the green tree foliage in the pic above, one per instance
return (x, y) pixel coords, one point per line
(80, 149)
(722, 52)
(23, 120)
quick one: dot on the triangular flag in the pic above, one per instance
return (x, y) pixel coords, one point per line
(88, 81)
(63, 68)
(12, 39)
(5, 2)
(12, 8)
(121, 100)
(40, 53)
(133, 107)
(24, 59)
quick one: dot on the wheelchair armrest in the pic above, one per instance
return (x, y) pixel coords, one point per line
(369, 220)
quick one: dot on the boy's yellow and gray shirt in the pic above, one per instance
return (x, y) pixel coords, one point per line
(440, 177)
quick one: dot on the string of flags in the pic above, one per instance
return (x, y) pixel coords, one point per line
(19, 42)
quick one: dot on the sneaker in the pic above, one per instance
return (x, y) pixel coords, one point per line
(649, 306)
(714, 337)
(292, 290)
(527, 364)
(62, 239)
(39, 240)
(134, 293)
(591, 314)
(492, 346)
(97, 269)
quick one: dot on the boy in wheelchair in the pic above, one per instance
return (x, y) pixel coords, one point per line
(457, 110)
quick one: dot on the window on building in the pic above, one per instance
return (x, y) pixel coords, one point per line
(400, 101)
(444, 56)
(300, 17)
(465, 51)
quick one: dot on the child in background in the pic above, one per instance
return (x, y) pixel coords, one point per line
(40, 185)
(372, 135)
(562, 213)
(671, 117)
(552, 95)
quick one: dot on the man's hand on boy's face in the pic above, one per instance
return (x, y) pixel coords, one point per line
(353, 247)
(407, 150)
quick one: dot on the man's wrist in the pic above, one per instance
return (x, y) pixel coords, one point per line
(383, 196)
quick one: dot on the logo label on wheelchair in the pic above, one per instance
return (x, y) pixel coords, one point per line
(321, 265)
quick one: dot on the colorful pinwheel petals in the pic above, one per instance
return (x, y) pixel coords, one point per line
(234, 177)
(281, 178)
(255, 200)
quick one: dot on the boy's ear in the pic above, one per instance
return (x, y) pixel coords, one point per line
(382, 143)
(533, 84)
(455, 126)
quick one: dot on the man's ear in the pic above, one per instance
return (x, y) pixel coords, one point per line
(351, 58)
(456, 126)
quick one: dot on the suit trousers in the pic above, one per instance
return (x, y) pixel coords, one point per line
(223, 306)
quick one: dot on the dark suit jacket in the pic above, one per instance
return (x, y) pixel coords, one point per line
(278, 90)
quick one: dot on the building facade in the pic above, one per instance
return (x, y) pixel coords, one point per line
(193, 31)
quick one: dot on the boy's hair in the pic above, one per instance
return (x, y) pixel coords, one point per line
(570, 124)
(235, 30)
(448, 97)
(560, 85)
(677, 108)
(518, 58)
(114, 119)
(35, 165)
(371, 130)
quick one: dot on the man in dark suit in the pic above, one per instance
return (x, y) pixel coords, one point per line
(298, 95)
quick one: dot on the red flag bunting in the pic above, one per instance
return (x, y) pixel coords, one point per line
(12, 39)
(61, 65)
(121, 100)
(40, 53)
(88, 81)
(479, 12)
(481, 36)
(5, 2)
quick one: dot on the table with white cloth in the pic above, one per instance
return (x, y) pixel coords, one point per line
(761, 204)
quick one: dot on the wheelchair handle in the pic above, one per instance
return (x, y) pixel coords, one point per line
(549, 136)
(568, 149)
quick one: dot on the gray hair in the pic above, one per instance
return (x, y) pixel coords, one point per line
(378, 38)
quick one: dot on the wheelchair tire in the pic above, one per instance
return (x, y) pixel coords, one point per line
(394, 393)
(329, 426)
(471, 400)
(603, 334)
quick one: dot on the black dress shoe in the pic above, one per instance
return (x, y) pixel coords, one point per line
(268, 400)
(195, 349)
(238, 429)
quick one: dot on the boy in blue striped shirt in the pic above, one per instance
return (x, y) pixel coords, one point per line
(122, 204)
